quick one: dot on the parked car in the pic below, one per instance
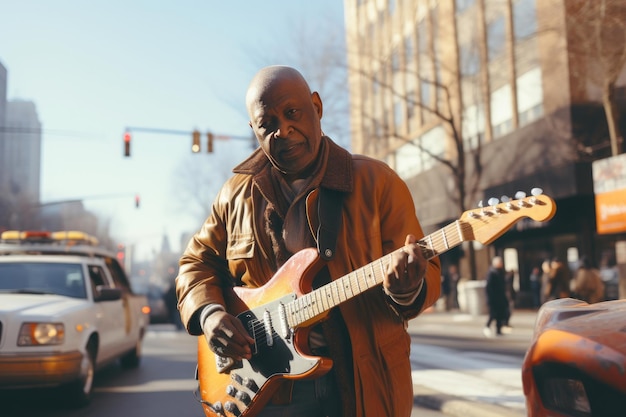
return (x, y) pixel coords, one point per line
(576, 363)
(159, 312)
(66, 309)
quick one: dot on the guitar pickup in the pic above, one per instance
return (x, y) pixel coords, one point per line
(223, 364)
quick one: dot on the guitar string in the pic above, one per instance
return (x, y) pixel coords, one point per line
(427, 243)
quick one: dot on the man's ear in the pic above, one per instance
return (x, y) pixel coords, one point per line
(317, 102)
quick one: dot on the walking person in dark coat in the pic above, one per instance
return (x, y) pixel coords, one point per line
(497, 300)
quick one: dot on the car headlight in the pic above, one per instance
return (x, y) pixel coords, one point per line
(33, 334)
(566, 395)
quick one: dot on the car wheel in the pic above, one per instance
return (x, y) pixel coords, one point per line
(133, 357)
(80, 391)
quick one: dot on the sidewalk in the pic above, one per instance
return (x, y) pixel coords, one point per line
(466, 325)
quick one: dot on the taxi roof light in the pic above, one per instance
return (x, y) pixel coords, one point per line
(68, 237)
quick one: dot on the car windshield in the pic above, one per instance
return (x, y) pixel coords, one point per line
(42, 278)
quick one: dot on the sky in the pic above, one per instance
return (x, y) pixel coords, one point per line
(95, 68)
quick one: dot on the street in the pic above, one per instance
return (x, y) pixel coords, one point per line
(452, 359)
(449, 355)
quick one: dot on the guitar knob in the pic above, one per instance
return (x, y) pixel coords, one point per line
(237, 378)
(243, 397)
(231, 407)
(231, 391)
(217, 407)
(250, 384)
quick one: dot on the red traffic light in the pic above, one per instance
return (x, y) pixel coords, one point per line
(127, 138)
(121, 253)
(137, 200)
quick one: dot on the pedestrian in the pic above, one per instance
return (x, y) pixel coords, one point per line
(546, 269)
(535, 286)
(558, 280)
(587, 284)
(445, 290)
(451, 280)
(497, 300)
(510, 296)
(269, 210)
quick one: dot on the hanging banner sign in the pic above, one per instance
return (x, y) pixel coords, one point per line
(609, 184)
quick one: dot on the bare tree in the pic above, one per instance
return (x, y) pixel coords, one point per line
(317, 49)
(197, 180)
(598, 41)
(436, 96)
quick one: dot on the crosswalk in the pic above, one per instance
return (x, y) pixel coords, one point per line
(475, 376)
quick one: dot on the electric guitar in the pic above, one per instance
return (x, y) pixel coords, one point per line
(278, 315)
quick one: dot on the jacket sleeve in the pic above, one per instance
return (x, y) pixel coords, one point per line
(203, 268)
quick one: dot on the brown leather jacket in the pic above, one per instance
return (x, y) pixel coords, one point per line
(378, 213)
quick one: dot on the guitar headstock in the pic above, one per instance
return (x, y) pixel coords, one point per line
(489, 223)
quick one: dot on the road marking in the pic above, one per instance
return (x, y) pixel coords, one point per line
(162, 385)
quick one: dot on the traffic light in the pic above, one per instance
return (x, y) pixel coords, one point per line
(121, 253)
(209, 142)
(127, 138)
(137, 200)
(195, 145)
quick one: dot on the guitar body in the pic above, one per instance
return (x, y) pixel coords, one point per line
(243, 388)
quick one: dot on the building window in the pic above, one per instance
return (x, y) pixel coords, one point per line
(411, 158)
(408, 158)
(395, 61)
(470, 60)
(529, 96)
(434, 141)
(462, 5)
(408, 49)
(473, 126)
(501, 111)
(495, 38)
(524, 19)
(425, 93)
(398, 116)
(410, 104)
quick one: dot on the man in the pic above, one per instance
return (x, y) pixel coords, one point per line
(559, 280)
(497, 300)
(264, 214)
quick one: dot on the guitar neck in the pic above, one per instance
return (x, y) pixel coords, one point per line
(309, 306)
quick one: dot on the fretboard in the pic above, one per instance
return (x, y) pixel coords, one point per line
(319, 301)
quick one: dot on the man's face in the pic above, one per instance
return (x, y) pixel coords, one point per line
(285, 118)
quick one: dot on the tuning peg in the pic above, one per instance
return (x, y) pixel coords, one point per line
(493, 201)
(480, 204)
(505, 199)
(519, 195)
(536, 191)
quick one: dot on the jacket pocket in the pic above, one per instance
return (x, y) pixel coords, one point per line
(240, 247)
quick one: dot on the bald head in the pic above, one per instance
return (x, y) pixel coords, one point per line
(268, 77)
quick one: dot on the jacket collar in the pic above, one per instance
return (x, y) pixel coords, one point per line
(338, 175)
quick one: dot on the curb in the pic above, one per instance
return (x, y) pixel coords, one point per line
(458, 407)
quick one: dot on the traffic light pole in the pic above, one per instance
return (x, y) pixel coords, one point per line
(195, 135)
